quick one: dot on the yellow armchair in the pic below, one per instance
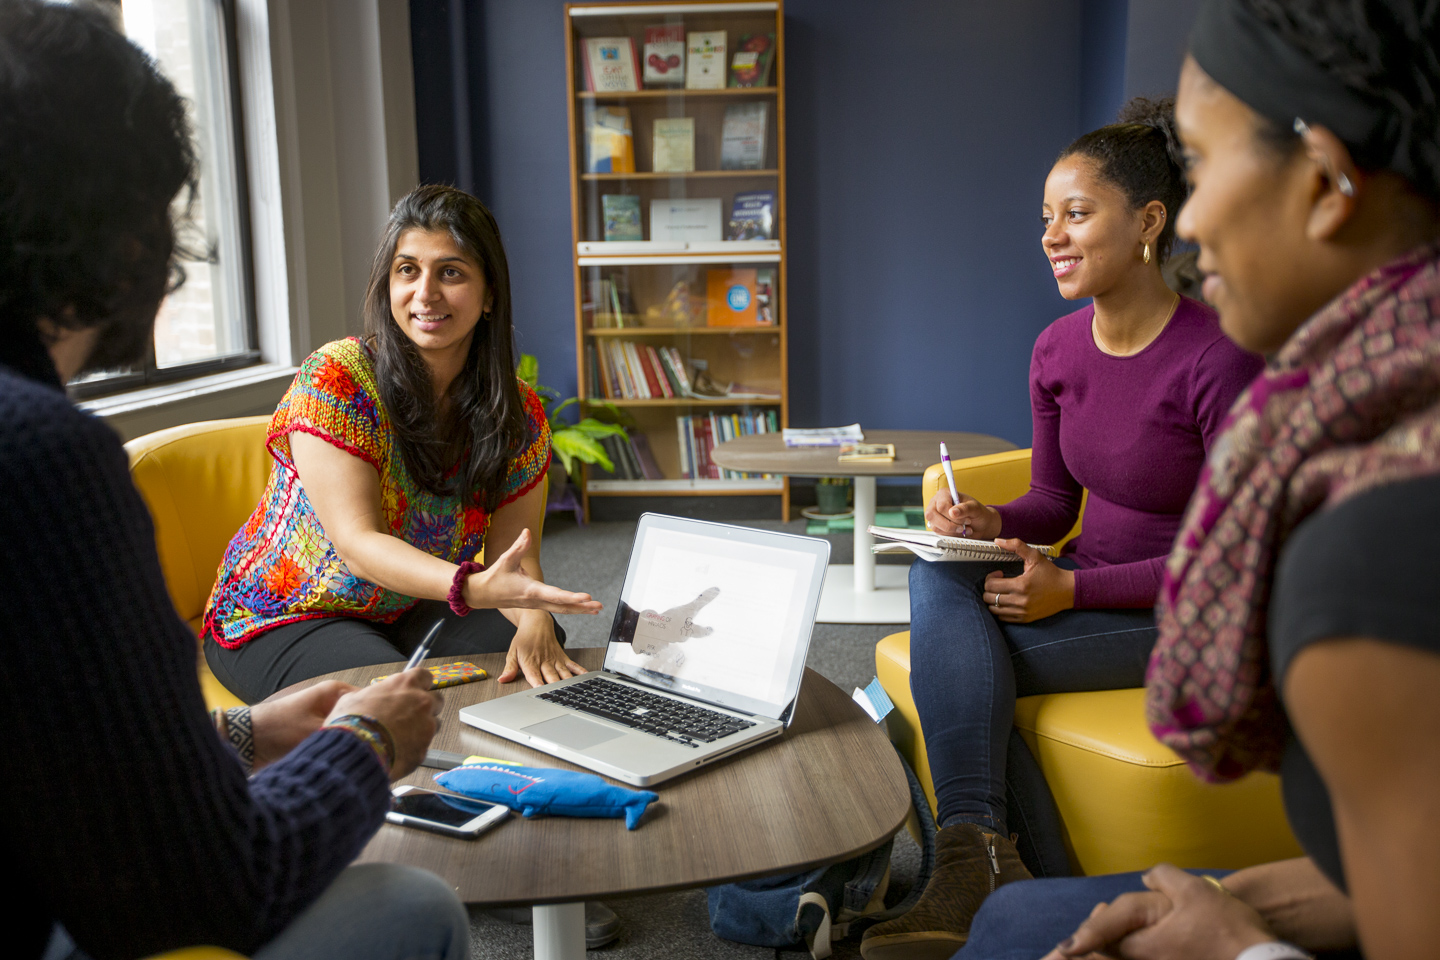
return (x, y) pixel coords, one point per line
(1126, 801)
(201, 481)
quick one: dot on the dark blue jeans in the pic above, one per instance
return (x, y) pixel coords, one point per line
(967, 668)
(1022, 921)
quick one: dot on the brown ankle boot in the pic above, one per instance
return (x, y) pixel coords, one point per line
(970, 862)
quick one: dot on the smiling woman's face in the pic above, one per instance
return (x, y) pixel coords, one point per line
(1248, 209)
(437, 293)
(1092, 235)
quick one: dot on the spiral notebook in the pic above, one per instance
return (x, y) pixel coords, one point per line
(933, 546)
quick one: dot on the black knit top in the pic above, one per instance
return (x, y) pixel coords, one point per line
(126, 818)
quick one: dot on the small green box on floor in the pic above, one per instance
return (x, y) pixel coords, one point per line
(910, 517)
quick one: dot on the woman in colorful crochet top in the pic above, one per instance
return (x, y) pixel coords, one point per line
(399, 456)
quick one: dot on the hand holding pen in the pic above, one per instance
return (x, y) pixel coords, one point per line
(952, 513)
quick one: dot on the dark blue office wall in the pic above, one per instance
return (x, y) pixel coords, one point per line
(919, 134)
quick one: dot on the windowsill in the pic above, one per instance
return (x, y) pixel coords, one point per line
(233, 393)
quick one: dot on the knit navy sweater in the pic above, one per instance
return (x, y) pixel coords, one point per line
(126, 818)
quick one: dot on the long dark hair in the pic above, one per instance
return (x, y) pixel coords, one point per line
(1140, 155)
(470, 447)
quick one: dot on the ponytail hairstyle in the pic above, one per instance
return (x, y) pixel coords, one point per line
(1139, 154)
(1385, 51)
(485, 425)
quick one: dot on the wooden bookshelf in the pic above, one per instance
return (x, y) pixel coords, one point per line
(641, 279)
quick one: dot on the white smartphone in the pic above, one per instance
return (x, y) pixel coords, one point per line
(444, 812)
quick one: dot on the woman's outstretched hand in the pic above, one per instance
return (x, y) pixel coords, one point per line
(968, 518)
(1043, 589)
(505, 584)
(537, 654)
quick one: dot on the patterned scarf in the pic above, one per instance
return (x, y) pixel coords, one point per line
(1351, 402)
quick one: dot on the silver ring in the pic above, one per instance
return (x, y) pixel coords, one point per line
(997, 601)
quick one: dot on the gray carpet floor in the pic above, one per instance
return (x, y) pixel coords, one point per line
(672, 925)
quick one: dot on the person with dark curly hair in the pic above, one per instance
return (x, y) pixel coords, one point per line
(1127, 396)
(136, 823)
(399, 457)
(1297, 619)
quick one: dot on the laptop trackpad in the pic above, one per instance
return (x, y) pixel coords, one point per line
(573, 732)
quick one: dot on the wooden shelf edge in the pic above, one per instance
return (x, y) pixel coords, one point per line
(678, 175)
(677, 331)
(691, 402)
(681, 488)
(662, 93)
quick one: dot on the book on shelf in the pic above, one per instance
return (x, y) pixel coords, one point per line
(754, 54)
(665, 55)
(730, 297)
(934, 546)
(609, 140)
(742, 136)
(673, 145)
(685, 219)
(698, 434)
(705, 60)
(610, 65)
(765, 297)
(621, 213)
(823, 436)
(607, 303)
(867, 453)
(752, 216)
(649, 468)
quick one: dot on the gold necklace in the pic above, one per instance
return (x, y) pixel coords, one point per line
(1106, 348)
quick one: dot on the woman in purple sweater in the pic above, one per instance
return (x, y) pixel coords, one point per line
(1126, 395)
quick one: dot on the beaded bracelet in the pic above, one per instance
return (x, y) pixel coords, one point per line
(457, 586)
(235, 727)
(374, 733)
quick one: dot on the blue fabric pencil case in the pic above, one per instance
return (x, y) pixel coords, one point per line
(539, 791)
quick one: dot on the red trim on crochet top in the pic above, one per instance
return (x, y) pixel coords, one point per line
(328, 438)
(208, 627)
(523, 490)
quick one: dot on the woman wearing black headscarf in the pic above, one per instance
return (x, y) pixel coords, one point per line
(1297, 620)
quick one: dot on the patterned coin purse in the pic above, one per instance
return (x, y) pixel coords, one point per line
(450, 674)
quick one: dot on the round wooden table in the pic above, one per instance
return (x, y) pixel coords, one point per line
(853, 594)
(829, 789)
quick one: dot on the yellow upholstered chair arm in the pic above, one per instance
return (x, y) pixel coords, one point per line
(992, 479)
(198, 953)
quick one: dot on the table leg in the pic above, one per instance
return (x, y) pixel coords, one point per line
(864, 517)
(559, 931)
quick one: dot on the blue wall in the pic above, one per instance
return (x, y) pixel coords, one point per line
(920, 133)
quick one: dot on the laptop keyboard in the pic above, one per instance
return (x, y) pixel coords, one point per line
(660, 716)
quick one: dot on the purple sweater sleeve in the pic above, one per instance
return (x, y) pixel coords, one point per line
(1048, 511)
(1220, 373)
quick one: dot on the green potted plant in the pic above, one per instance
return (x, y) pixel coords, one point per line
(832, 495)
(571, 442)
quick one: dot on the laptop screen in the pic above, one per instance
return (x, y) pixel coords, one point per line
(717, 612)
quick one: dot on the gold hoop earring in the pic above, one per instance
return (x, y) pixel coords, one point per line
(1147, 251)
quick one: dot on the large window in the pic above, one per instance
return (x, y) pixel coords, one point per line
(208, 324)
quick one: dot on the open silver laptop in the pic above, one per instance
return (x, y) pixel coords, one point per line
(706, 654)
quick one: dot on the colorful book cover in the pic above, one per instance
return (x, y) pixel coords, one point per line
(682, 439)
(609, 140)
(742, 136)
(705, 60)
(610, 65)
(665, 55)
(621, 212)
(753, 56)
(673, 145)
(653, 363)
(730, 297)
(765, 297)
(752, 216)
